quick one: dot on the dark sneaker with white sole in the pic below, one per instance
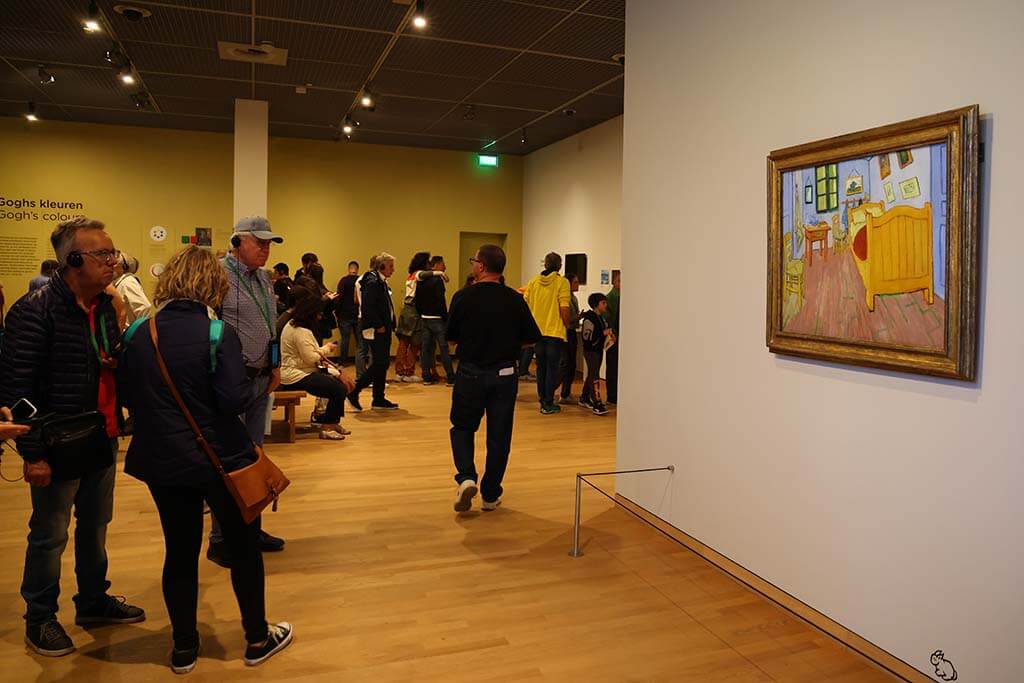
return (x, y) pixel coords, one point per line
(279, 636)
(385, 404)
(49, 639)
(183, 661)
(110, 610)
(353, 400)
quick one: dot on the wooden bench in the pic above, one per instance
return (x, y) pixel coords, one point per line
(289, 400)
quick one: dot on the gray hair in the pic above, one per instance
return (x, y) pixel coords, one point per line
(63, 236)
(384, 257)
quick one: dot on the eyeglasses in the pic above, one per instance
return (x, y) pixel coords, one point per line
(475, 260)
(104, 255)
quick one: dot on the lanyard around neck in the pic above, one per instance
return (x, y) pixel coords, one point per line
(261, 302)
(101, 323)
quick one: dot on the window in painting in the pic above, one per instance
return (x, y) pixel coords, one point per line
(827, 187)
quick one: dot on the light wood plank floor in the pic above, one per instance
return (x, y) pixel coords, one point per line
(385, 583)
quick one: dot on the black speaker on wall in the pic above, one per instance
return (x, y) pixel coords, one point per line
(576, 264)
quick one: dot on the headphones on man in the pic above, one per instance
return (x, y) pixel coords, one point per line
(236, 241)
(75, 259)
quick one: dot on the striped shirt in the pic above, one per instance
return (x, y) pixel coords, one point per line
(249, 307)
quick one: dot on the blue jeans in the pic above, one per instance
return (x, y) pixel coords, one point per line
(363, 359)
(92, 497)
(347, 328)
(478, 391)
(549, 356)
(255, 419)
(434, 329)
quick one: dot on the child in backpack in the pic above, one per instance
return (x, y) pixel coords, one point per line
(595, 331)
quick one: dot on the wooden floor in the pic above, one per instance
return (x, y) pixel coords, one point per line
(836, 307)
(383, 582)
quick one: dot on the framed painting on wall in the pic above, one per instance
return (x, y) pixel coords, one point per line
(897, 286)
(854, 185)
(884, 169)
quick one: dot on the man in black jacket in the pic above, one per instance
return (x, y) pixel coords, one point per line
(59, 353)
(377, 324)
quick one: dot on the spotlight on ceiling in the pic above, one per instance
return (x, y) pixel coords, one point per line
(45, 76)
(141, 100)
(470, 113)
(522, 137)
(113, 57)
(126, 77)
(92, 23)
(31, 114)
(419, 20)
(367, 101)
(347, 127)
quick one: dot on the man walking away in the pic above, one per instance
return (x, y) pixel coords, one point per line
(548, 297)
(378, 322)
(490, 323)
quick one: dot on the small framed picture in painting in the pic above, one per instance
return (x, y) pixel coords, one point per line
(890, 194)
(884, 169)
(606, 276)
(808, 194)
(910, 188)
(910, 289)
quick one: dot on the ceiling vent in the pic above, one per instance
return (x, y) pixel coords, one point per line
(264, 53)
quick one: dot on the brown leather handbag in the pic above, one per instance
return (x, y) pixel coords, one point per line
(254, 486)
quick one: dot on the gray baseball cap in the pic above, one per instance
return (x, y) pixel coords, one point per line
(258, 227)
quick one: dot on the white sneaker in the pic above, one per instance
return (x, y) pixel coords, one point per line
(412, 379)
(464, 496)
(490, 505)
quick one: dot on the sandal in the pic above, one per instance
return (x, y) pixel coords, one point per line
(331, 435)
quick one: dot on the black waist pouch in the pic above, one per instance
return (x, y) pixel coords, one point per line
(75, 444)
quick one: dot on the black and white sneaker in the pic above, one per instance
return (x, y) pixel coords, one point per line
(353, 400)
(599, 408)
(279, 636)
(384, 405)
(586, 404)
(110, 610)
(464, 495)
(49, 639)
(183, 661)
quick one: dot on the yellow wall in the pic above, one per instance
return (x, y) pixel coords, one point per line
(130, 178)
(341, 200)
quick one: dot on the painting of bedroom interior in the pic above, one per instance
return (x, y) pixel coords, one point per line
(864, 249)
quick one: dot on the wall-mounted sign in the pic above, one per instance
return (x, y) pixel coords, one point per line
(158, 233)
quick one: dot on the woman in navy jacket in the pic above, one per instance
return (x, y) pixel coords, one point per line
(165, 455)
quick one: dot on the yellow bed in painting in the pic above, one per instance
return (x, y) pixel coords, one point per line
(892, 249)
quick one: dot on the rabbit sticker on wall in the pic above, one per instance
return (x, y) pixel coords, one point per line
(943, 667)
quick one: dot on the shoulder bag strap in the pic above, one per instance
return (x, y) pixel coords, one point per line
(216, 333)
(181, 403)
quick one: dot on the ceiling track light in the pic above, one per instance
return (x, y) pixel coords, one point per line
(470, 113)
(141, 100)
(31, 114)
(522, 137)
(367, 101)
(419, 19)
(45, 76)
(347, 127)
(92, 23)
(126, 76)
(114, 57)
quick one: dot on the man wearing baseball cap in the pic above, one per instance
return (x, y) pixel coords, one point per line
(250, 308)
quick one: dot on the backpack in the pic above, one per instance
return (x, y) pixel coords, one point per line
(216, 334)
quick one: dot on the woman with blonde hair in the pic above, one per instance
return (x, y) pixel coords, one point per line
(209, 373)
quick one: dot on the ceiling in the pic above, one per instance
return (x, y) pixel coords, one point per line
(480, 74)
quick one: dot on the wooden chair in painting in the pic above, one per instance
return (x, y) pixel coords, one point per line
(840, 235)
(792, 271)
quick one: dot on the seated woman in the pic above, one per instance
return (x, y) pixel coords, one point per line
(164, 453)
(301, 358)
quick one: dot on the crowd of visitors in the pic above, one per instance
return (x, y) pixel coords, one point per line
(85, 353)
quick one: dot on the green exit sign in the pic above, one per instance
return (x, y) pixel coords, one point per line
(487, 160)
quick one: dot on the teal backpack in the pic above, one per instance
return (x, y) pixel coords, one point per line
(216, 334)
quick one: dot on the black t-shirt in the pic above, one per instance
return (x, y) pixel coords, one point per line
(282, 290)
(490, 323)
(348, 309)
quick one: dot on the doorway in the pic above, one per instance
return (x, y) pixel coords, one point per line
(469, 242)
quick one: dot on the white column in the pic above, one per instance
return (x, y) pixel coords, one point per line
(251, 133)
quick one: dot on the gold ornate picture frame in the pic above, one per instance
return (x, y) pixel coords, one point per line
(879, 280)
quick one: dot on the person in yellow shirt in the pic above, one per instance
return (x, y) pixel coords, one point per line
(548, 297)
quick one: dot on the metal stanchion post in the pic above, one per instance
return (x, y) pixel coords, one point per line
(576, 552)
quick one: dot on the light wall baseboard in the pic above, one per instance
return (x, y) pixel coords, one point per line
(816, 619)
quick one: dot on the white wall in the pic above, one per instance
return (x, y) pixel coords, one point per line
(572, 203)
(889, 502)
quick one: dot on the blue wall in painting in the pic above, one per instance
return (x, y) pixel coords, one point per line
(939, 210)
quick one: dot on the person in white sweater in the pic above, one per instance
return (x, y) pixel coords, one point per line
(301, 361)
(129, 289)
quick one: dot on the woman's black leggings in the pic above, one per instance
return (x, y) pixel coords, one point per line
(322, 385)
(181, 516)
